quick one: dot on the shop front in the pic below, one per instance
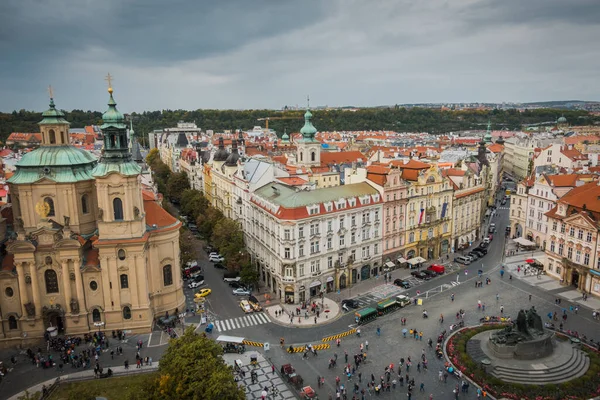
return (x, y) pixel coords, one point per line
(330, 284)
(444, 248)
(302, 293)
(343, 282)
(364, 273)
(354, 275)
(288, 292)
(315, 288)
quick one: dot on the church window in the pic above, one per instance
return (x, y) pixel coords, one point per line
(94, 285)
(62, 137)
(118, 209)
(52, 136)
(51, 281)
(12, 322)
(301, 156)
(96, 315)
(85, 204)
(121, 254)
(9, 292)
(313, 156)
(126, 312)
(50, 202)
(167, 275)
(124, 281)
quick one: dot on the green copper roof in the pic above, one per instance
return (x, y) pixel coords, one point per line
(62, 164)
(289, 197)
(285, 138)
(52, 116)
(127, 168)
(112, 117)
(308, 131)
(488, 135)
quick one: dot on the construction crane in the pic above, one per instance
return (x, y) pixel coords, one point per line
(267, 119)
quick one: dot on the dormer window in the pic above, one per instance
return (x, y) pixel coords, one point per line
(313, 210)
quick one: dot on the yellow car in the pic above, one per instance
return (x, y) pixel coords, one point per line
(255, 306)
(203, 293)
(245, 305)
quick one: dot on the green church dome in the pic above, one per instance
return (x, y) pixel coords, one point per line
(113, 118)
(308, 131)
(62, 164)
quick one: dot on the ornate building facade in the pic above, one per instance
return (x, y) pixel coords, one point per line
(87, 249)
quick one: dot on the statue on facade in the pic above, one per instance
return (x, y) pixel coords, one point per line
(100, 213)
(74, 306)
(30, 309)
(67, 219)
(136, 212)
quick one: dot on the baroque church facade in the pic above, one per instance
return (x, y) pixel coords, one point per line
(86, 248)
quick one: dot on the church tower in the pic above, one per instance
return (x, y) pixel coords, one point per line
(117, 177)
(308, 149)
(53, 126)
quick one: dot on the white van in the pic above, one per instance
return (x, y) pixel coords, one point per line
(463, 260)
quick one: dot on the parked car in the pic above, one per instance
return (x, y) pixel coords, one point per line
(216, 258)
(437, 268)
(203, 292)
(430, 273)
(403, 300)
(474, 256)
(481, 249)
(463, 260)
(254, 304)
(196, 284)
(209, 249)
(246, 307)
(402, 283)
(491, 237)
(231, 279)
(350, 303)
(236, 285)
(241, 292)
(486, 240)
(219, 266)
(420, 275)
(478, 252)
(484, 244)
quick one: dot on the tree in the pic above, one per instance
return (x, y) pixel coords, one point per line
(152, 157)
(186, 250)
(249, 275)
(207, 220)
(192, 368)
(176, 185)
(193, 203)
(228, 237)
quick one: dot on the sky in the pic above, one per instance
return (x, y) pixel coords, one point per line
(232, 54)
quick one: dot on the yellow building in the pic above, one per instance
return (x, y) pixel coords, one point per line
(88, 249)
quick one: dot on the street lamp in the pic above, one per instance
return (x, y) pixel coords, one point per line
(99, 325)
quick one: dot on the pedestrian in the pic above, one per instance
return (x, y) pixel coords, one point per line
(360, 376)
(367, 345)
(422, 387)
(126, 364)
(441, 375)
(497, 296)
(483, 307)
(378, 331)
(501, 309)
(529, 297)
(452, 297)
(419, 367)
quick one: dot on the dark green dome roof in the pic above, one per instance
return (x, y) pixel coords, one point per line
(113, 117)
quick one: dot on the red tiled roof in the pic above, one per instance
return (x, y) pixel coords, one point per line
(8, 262)
(292, 181)
(453, 172)
(470, 192)
(581, 138)
(156, 215)
(148, 195)
(573, 154)
(411, 164)
(410, 174)
(566, 180)
(338, 157)
(496, 148)
(92, 258)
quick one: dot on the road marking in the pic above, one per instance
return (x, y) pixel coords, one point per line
(242, 322)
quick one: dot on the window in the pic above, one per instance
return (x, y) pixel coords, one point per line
(286, 252)
(51, 281)
(562, 228)
(554, 226)
(314, 247)
(96, 315)
(329, 226)
(580, 234)
(312, 156)
(126, 312)
(329, 244)
(289, 272)
(569, 253)
(589, 237)
(430, 233)
(330, 262)
(50, 202)
(552, 246)
(12, 322)
(301, 270)
(365, 234)
(352, 238)
(314, 229)
(376, 248)
(376, 215)
(561, 249)
(586, 259)
(84, 204)
(167, 275)
(301, 232)
(314, 266)
(118, 209)
(353, 221)
(341, 222)
(301, 250)
(286, 234)
(558, 270)
(121, 254)
(94, 285)
(124, 281)
(52, 136)
(578, 256)
(571, 231)
(342, 240)
(9, 292)
(411, 237)
(365, 252)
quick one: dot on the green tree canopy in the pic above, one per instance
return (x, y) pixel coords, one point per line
(176, 185)
(152, 157)
(249, 274)
(192, 368)
(207, 219)
(228, 237)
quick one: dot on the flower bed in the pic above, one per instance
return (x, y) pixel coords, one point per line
(584, 387)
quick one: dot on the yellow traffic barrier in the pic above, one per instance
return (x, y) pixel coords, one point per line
(301, 349)
(251, 343)
(338, 336)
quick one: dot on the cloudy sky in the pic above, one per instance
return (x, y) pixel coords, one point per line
(266, 54)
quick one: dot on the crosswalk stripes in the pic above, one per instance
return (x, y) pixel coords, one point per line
(242, 322)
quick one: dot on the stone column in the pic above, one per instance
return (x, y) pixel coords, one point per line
(133, 285)
(105, 282)
(79, 285)
(142, 279)
(35, 288)
(66, 278)
(22, 288)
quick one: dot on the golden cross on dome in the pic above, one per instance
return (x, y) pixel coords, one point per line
(109, 79)
(50, 91)
(307, 101)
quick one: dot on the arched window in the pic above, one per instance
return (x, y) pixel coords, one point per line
(118, 209)
(124, 281)
(85, 204)
(301, 156)
(51, 281)
(126, 312)
(313, 156)
(12, 322)
(96, 315)
(167, 275)
(52, 136)
(411, 237)
(62, 137)
(50, 202)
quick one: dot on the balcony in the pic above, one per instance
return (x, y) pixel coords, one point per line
(316, 273)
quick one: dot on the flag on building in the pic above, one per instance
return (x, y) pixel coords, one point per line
(421, 216)
(444, 210)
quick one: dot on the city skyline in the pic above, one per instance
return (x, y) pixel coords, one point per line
(239, 55)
